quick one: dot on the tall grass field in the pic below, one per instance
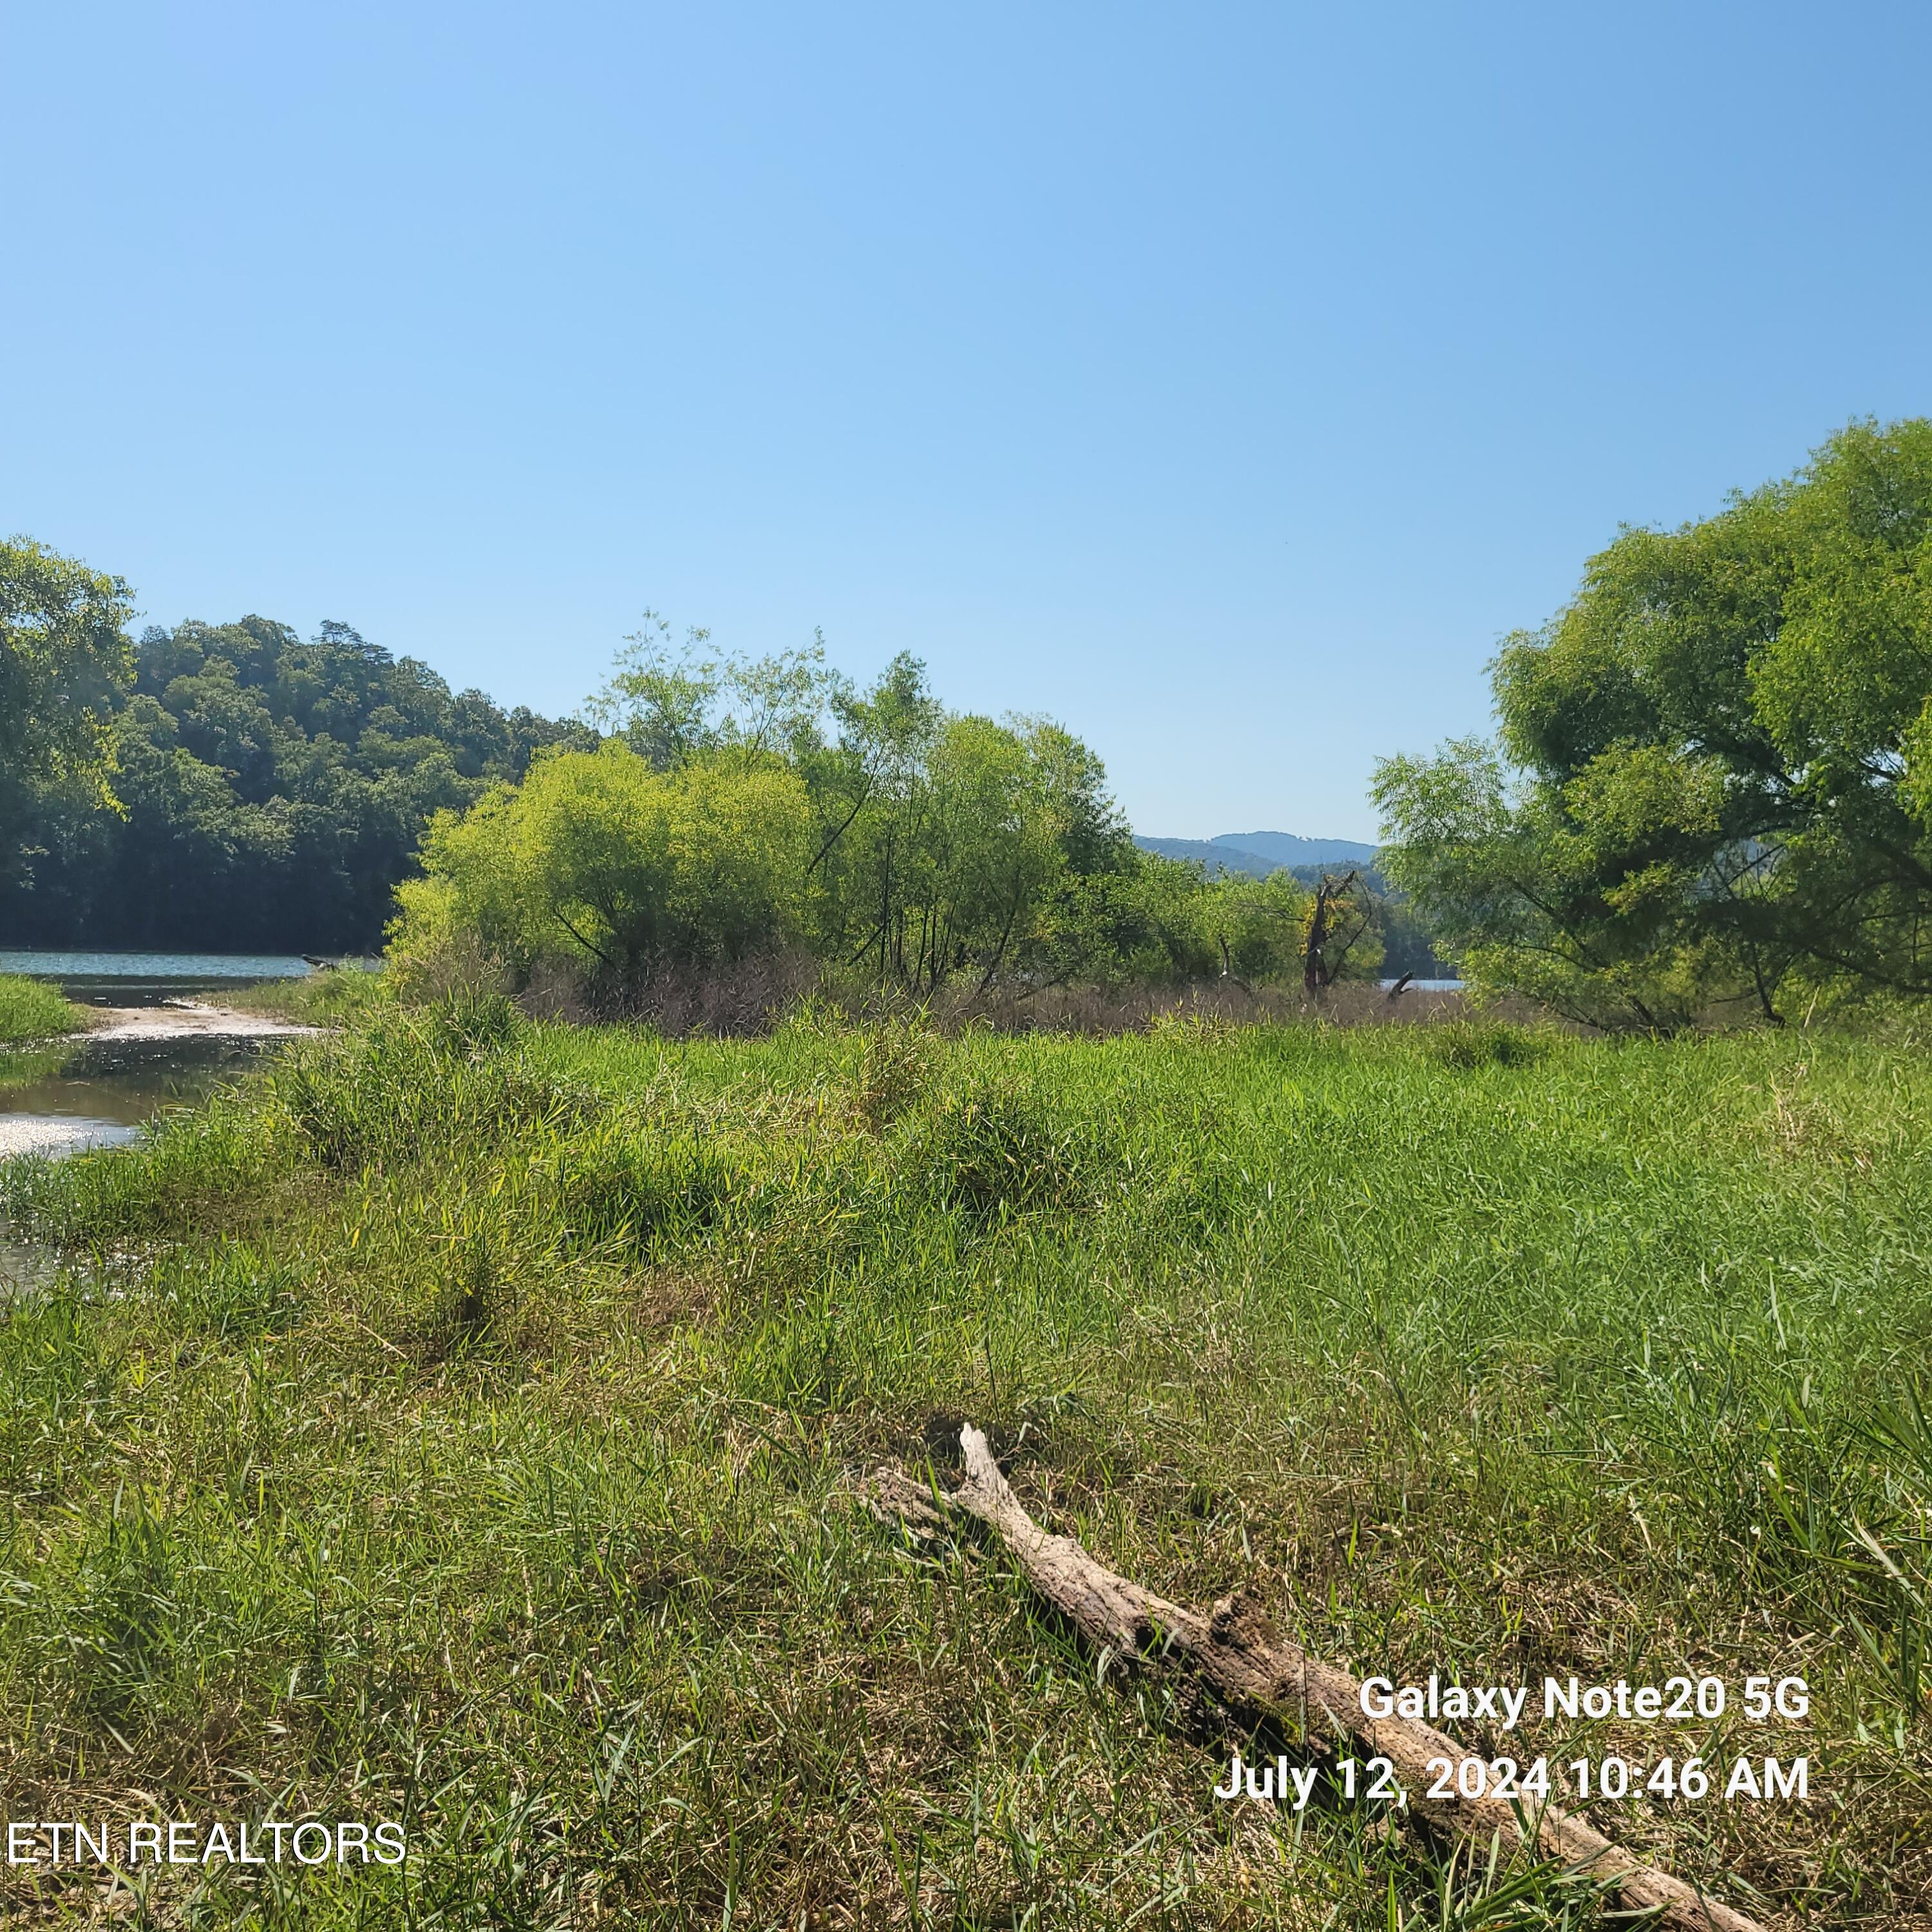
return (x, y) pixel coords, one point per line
(29, 1010)
(465, 1423)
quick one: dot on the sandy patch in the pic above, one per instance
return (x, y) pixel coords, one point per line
(189, 1019)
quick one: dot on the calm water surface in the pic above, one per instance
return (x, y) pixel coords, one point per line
(23, 1267)
(146, 979)
(116, 1083)
(61, 1099)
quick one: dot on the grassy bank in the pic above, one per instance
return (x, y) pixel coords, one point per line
(466, 1431)
(328, 997)
(30, 1010)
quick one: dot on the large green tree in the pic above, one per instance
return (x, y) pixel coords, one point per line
(65, 660)
(604, 861)
(941, 844)
(1711, 784)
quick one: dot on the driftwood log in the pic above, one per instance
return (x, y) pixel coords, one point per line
(1253, 1667)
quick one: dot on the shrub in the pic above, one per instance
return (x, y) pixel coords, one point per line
(599, 860)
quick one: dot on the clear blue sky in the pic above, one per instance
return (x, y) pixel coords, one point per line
(1224, 380)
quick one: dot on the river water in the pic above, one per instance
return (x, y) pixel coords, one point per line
(96, 1092)
(146, 979)
(62, 1100)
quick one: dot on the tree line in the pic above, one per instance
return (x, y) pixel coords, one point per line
(1709, 794)
(228, 787)
(736, 806)
(235, 786)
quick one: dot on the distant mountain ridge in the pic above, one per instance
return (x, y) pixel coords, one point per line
(1286, 848)
(1407, 945)
(1259, 854)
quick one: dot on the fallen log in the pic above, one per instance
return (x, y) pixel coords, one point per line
(1252, 1666)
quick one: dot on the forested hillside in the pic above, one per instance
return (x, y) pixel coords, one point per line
(271, 792)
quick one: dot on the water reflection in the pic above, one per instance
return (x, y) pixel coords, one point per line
(23, 1267)
(57, 1135)
(96, 1093)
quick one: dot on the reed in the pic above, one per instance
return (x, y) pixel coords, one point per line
(30, 1011)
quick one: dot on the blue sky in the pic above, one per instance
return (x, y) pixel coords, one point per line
(1224, 380)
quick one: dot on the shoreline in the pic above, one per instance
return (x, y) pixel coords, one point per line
(186, 1019)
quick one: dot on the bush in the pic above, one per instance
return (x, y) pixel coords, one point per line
(599, 861)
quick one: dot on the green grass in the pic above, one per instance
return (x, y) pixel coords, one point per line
(27, 1066)
(332, 997)
(30, 1010)
(470, 1426)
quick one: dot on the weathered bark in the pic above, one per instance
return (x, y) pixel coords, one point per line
(1318, 971)
(1251, 1666)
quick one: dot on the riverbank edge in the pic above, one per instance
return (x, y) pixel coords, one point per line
(189, 1019)
(33, 1014)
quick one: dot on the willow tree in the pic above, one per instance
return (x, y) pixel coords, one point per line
(1711, 781)
(600, 860)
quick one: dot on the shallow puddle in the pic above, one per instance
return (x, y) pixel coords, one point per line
(64, 1099)
(96, 1093)
(23, 1266)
